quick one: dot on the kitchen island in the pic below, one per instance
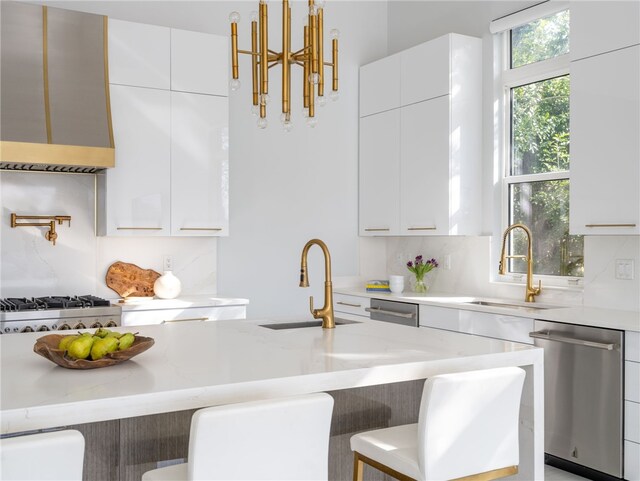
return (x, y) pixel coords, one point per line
(374, 370)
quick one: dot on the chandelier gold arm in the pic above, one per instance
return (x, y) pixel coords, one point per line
(334, 44)
(254, 62)
(320, 53)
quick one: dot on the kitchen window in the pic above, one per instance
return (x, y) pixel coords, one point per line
(535, 87)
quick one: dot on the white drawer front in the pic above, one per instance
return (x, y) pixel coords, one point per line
(508, 328)
(631, 461)
(351, 304)
(632, 421)
(440, 318)
(632, 381)
(160, 316)
(632, 346)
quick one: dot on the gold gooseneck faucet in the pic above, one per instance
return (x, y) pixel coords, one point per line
(531, 291)
(326, 313)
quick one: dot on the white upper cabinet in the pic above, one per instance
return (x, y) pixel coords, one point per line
(135, 195)
(139, 54)
(170, 119)
(420, 162)
(199, 165)
(380, 173)
(199, 63)
(424, 169)
(380, 85)
(605, 152)
(599, 27)
(420, 80)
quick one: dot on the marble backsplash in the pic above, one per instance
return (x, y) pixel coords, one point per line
(471, 267)
(31, 266)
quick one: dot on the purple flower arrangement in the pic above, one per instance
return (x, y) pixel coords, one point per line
(420, 267)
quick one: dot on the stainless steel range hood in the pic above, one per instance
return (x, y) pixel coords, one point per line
(55, 111)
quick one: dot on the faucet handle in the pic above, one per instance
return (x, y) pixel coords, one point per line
(539, 286)
(311, 306)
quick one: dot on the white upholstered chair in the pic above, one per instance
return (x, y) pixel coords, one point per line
(53, 456)
(467, 428)
(278, 439)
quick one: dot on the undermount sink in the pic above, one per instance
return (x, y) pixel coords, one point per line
(300, 324)
(507, 305)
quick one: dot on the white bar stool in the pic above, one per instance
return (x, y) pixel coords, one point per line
(277, 439)
(54, 456)
(467, 429)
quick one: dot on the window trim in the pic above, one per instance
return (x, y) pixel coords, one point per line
(505, 80)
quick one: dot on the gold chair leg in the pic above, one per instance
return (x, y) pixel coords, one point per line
(358, 467)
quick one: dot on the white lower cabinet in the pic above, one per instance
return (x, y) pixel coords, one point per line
(134, 196)
(199, 165)
(350, 307)
(498, 326)
(632, 406)
(190, 314)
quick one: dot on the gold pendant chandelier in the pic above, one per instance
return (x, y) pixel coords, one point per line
(310, 58)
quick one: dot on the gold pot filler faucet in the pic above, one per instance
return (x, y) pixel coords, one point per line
(326, 313)
(530, 291)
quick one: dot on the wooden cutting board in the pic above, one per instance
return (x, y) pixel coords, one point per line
(129, 280)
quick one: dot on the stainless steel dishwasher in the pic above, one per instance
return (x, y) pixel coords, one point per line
(583, 397)
(392, 311)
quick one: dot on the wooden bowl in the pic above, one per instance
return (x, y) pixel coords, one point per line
(47, 346)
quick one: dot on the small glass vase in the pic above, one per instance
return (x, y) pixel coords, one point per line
(420, 286)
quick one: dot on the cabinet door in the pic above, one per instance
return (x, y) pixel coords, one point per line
(138, 188)
(424, 168)
(199, 62)
(380, 85)
(199, 165)
(599, 27)
(605, 152)
(379, 173)
(139, 54)
(425, 71)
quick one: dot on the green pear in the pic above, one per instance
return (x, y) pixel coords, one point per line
(126, 340)
(65, 341)
(112, 343)
(114, 334)
(102, 332)
(80, 348)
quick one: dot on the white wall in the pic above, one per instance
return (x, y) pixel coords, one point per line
(411, 23)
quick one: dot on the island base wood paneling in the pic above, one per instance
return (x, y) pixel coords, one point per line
(124, 449)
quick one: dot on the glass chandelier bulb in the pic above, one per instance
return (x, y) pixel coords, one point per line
(314, 78)
(334, 95)
(335, 33)
(262, 122)
(319, 3)
(234, 17)
(285, 117)
(264, 99)
(254, 16)
(264, 2)
(322, 101)
(287, 126)
(255, 110)
(234, 83)
(313, 10)
(312, 122)
(305, 113)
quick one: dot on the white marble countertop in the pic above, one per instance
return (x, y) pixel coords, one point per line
(587, 316)
(182, 302)
(194, 365)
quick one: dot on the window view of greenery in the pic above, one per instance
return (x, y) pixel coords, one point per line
(540, 127)
(545, 38)
(544, 208)
(540, 145)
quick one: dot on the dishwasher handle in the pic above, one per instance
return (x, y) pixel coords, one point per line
(406, 315)
(569, 340)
